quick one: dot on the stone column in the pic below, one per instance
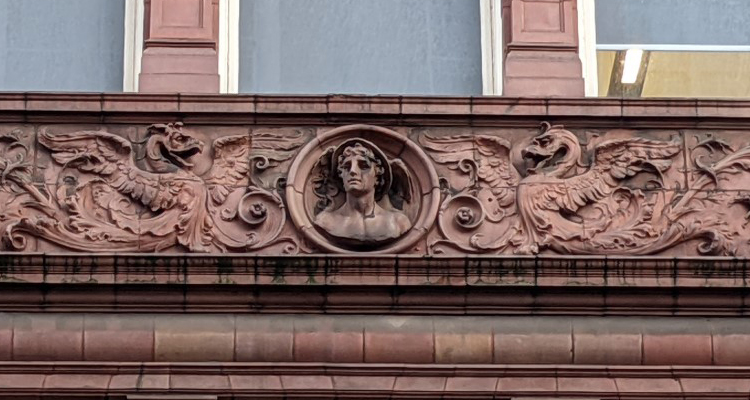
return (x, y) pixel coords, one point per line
(541, 48)
(180, 50)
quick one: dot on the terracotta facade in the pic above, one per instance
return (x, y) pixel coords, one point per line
(199, 246)
(309, 314)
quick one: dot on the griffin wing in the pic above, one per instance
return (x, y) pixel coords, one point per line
(614, 161)
(110, 157)
(490, 154)
(230, 168)
(271, 148)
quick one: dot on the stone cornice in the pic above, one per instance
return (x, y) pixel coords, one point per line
(34, 107)
(272, 380)
(385, 369)
(473, 285)
(332, 269)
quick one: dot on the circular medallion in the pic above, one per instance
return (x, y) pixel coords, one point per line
(362, 188)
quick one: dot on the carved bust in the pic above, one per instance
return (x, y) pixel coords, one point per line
(364, 173)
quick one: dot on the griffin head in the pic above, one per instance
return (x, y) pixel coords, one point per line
(554, 151)
(167, 143)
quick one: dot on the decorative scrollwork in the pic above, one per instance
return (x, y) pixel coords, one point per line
(618, 204)
(112, 194)
(363, 188)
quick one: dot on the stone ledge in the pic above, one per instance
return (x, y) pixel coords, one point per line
(124, 381)
(373, 339)
(353, 269)
(482, 299)
(129, 107)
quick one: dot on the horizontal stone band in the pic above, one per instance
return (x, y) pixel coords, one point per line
(374, 339)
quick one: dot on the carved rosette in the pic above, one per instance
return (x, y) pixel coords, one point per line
(363, 188)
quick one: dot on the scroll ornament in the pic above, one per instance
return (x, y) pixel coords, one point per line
(542, 196)
(115, 195)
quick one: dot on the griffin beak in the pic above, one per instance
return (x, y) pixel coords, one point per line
(538, 157)
(181, 157)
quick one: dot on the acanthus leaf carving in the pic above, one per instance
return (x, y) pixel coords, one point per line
(563, 205)
(543, 193)
(112, 195)
(490, 195)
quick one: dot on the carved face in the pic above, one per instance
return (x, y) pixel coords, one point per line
(359, 170)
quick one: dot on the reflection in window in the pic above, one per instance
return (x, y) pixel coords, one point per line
(355, 46)
(673, 48)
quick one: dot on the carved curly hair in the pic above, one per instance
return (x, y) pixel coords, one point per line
(359, 149)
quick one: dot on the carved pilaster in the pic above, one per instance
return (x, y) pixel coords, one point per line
(541, 48)
(180, 51)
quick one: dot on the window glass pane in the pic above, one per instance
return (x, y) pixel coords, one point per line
(61, 45)
(360, 46)
(679, 48)
(681, 74)
(694, 22)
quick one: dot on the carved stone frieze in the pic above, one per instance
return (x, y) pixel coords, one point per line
(622, 196)
(364, 188)
(110, 193)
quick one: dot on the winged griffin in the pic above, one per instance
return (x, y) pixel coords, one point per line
(115, 195)
(543, 196)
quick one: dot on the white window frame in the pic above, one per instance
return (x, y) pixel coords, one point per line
(491, 42)
(133, 49)
(587, 47)
(229, 46)
(675, 47)
(491, 12)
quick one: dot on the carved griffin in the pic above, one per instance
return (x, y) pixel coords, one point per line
(112, 194)
(559, 202)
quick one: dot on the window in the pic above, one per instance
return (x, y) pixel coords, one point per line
(673, 48)
(448, 47)
(70, 45)
(355, 46)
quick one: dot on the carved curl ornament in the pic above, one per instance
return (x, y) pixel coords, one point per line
(112, 194)
(547, 194)
(364, 188)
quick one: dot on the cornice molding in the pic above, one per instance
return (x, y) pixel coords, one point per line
(119, 380)
(350, 284)
(368, 369)
(33, 107)
(337, 269)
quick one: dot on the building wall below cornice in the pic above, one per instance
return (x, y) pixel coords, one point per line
(172, 337)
